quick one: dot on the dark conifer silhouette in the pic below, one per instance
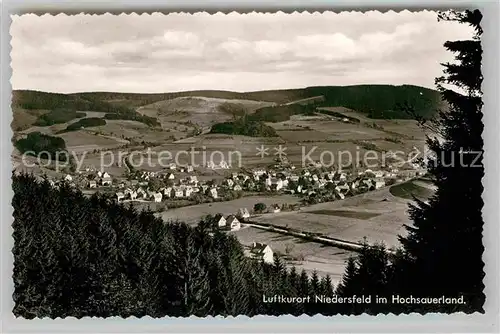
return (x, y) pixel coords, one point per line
(442, 253)
(78, 256)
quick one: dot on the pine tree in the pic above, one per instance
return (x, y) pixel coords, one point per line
(348, 286)
(444, 246)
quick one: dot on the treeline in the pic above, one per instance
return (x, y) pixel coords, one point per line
(85, 123)
(381, 101)
(36, 142)
(29, 99)
(64, 107)
(151, 121)
(244, 127)
(253, 124)
(58, 116)
(79, 256)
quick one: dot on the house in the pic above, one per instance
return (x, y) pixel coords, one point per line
(106, 179)
(178, 192)
(379, 183)
(243, 213)
(188, 191)
(213, 192)
(221, 221)
(99, 174)
(172, 166)
(119, 196)
(193, 179)
(167, 192)
(223, 165)
(68, 178)
(141, 193)
(189, 169)
(233, 223)
(277, 184)
(275, 208)
(230, 183)
(157, 197)
(268, 182)
(294, 178)
(170, 176)
(92, 184)
(133, 195)
(237, 188)
(262, 252)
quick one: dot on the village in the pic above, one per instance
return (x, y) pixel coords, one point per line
(178, 186)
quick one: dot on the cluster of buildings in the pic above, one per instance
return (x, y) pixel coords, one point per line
(258, 251)
(181, 183)
(309, 180)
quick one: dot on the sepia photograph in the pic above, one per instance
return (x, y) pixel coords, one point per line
(176, 165)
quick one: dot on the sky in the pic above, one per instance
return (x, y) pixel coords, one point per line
(238, 52)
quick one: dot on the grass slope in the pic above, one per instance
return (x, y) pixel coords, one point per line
(409, 190)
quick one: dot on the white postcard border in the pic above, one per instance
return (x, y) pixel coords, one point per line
(288, 324)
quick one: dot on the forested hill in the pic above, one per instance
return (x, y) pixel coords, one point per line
(79, 256)
(378, 101)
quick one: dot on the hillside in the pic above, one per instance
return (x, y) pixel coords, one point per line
(377, 101)
(71, 103)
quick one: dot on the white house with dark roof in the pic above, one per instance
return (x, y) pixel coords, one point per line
(233, 223)
(133, 195)
(221, 221)
(262, 252)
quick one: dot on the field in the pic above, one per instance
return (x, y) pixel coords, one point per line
(346, 213)
(202, 111)
(376, 215)
(419, 189)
